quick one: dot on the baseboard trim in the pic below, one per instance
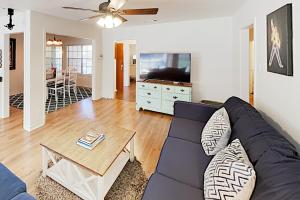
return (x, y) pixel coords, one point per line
(34, 127)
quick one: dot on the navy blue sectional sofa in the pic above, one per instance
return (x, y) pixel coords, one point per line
(11, 187)
(180, 170)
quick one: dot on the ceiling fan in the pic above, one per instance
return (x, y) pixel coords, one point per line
(109, 13)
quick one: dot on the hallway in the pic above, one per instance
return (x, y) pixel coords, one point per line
(128, 93)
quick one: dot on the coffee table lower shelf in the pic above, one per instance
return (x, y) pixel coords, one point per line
(84, 183)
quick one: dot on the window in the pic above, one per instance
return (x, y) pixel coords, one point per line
(54, 57)
(80, 57)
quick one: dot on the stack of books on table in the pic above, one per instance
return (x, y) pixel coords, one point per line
(90, 140)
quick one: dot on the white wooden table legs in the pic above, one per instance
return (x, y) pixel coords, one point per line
(131, 151)
(100, 188)
(44, 161)
(80, 180)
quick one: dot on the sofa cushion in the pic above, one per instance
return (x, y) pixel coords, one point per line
(278, 177)
(216, 132)
(163, 188)
(10, 185)
(186, 129)
(230, 174)
(257, 137)
(236, 108)
(23, 196)
(183, 161)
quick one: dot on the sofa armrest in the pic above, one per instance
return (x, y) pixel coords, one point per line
(10, 185)
(193, 111)
(23, 196)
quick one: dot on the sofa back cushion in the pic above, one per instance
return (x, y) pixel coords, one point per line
(236, 108)
(275, 159)
(277, 177)
(255, 134)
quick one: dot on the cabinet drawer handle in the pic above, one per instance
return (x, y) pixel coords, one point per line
(143, 85)
(155, 87)
(149, 102)
(149, 93)
(182, 90)
(168, 88)
(175, 97)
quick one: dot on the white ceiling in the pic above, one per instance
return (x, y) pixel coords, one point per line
(169, 10)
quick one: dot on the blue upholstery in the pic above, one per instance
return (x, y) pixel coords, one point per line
(23, 196)
(183, 161)
(11, 186)
(181, 167)
(193, 111)
(186, 129)
(277, 177)
(162, 188)
(256, 135)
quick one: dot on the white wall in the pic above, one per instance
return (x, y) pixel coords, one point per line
(276, 95)
(16, 78)
(20, 23)
(209, 41)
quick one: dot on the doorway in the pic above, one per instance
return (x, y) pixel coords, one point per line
(16, 72)
(247, 64)
(251, 65)
(125, 62)
(68, 68)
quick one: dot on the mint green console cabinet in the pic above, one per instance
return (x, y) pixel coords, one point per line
(160, 97)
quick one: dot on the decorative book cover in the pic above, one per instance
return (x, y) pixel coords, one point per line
(89, 138)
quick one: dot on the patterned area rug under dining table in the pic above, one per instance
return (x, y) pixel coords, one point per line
(17, 100)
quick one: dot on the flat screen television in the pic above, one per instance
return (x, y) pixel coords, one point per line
(174, 67)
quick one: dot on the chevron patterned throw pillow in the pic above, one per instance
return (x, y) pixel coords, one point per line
(230, 175)
(216, 132)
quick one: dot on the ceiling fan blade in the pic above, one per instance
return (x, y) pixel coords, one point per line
(145, 11)
(122, 18)
(92, 17)
(117, 4)
(84, 9)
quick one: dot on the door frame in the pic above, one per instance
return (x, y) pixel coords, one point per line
(127, 41)
(244, 61)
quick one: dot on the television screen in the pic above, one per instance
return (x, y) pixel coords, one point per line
(166, 66)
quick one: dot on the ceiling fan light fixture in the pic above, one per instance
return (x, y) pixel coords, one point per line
(117, 21)
(109, 21)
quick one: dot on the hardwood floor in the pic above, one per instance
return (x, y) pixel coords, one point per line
(128, 93)
(20, 151)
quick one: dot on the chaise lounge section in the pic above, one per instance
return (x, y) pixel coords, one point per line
(182, 164)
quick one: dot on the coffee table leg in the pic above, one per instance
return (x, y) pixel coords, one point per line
(131, 150)
(100, 188)
(44, 161)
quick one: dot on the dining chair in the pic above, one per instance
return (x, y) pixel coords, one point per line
(58, 85)
(71, 80)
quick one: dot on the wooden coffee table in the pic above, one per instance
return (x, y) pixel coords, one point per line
(88, 173)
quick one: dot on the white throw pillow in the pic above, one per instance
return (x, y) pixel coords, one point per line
(230, 175)
(216, 132)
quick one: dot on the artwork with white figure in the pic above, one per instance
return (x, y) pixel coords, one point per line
(280, 41)
(276, 45)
